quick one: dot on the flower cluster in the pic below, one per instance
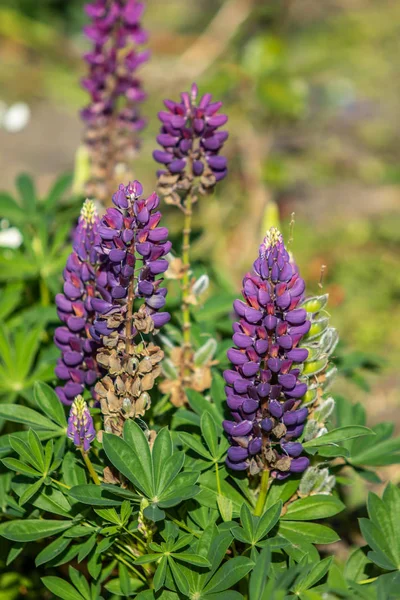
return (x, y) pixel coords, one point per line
(113, 60)
(77, 365)
(80, 424)
(191, 142)
(132, 248)
(265, 391)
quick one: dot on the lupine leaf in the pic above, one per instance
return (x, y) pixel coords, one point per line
(20, 467)
(259, 575)
(338, 435)
(229, 574)
(162, 450)
(49, 403)
(310, 532)
(318, 506)
(52, 550)
(93, 494)
(316, 573)
(27, 416)
(124, 459)
(195, 445)
(209, 433)
(30, 530)
(136, 439)
(61, 588)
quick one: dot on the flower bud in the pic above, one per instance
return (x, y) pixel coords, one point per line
(80, 424)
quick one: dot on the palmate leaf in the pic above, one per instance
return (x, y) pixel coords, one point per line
(382, 529)
(156, 474)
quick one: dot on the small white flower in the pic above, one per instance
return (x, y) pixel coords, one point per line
(11, 238)
(16, 117)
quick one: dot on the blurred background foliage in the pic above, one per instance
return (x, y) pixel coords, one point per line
(312, 92)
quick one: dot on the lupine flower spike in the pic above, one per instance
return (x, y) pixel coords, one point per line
(80, 425)
(77, 365)
(280, 367)
(191, 140)
(265, 390)
(112, 118)
(132, 248)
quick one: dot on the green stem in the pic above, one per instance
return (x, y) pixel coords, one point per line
(258, 511)
(182, 525)
(130, 566)
(89, 466)
(218, 479)
(64, 485)
(371, 580)
(187, 229)
(44, 292)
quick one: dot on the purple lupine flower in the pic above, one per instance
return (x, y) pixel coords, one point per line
(191, 141)
(264, 388)
(80, 424)
(132, 247)
(112, 116)
(131, 227)
(77, 365)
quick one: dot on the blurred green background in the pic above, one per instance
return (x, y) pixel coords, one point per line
(312, 93)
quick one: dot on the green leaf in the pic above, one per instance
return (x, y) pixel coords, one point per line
(200, 405)
(16, 465)
(312, 533)
(159, 576)
(268, 521)
(36, 448)
(259, 575)
(315, 574)
(49, 403)
(27, 416)
(153, 513)
(180, 579)
(26, 188)
(52, 550)
(229, 574)
(162, 450)
(193, 559)
(147, 558)
(15, 551)
(61, 588)
(95, 495)
(209, 433)
(23, 450)
(225, 508)
(381, 554)
(318, 506)
(79, 581)
(31, 491)
(30, 530)
(125, 460)
(194, 444)
(60, 186)
(87, 547)
(136, 439)
(338, 435)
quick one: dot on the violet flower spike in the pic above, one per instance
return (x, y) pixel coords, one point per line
(112, 117)
(191, 140)
(77, 365)
(80, 424)
(132, 248)
(264, 387)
